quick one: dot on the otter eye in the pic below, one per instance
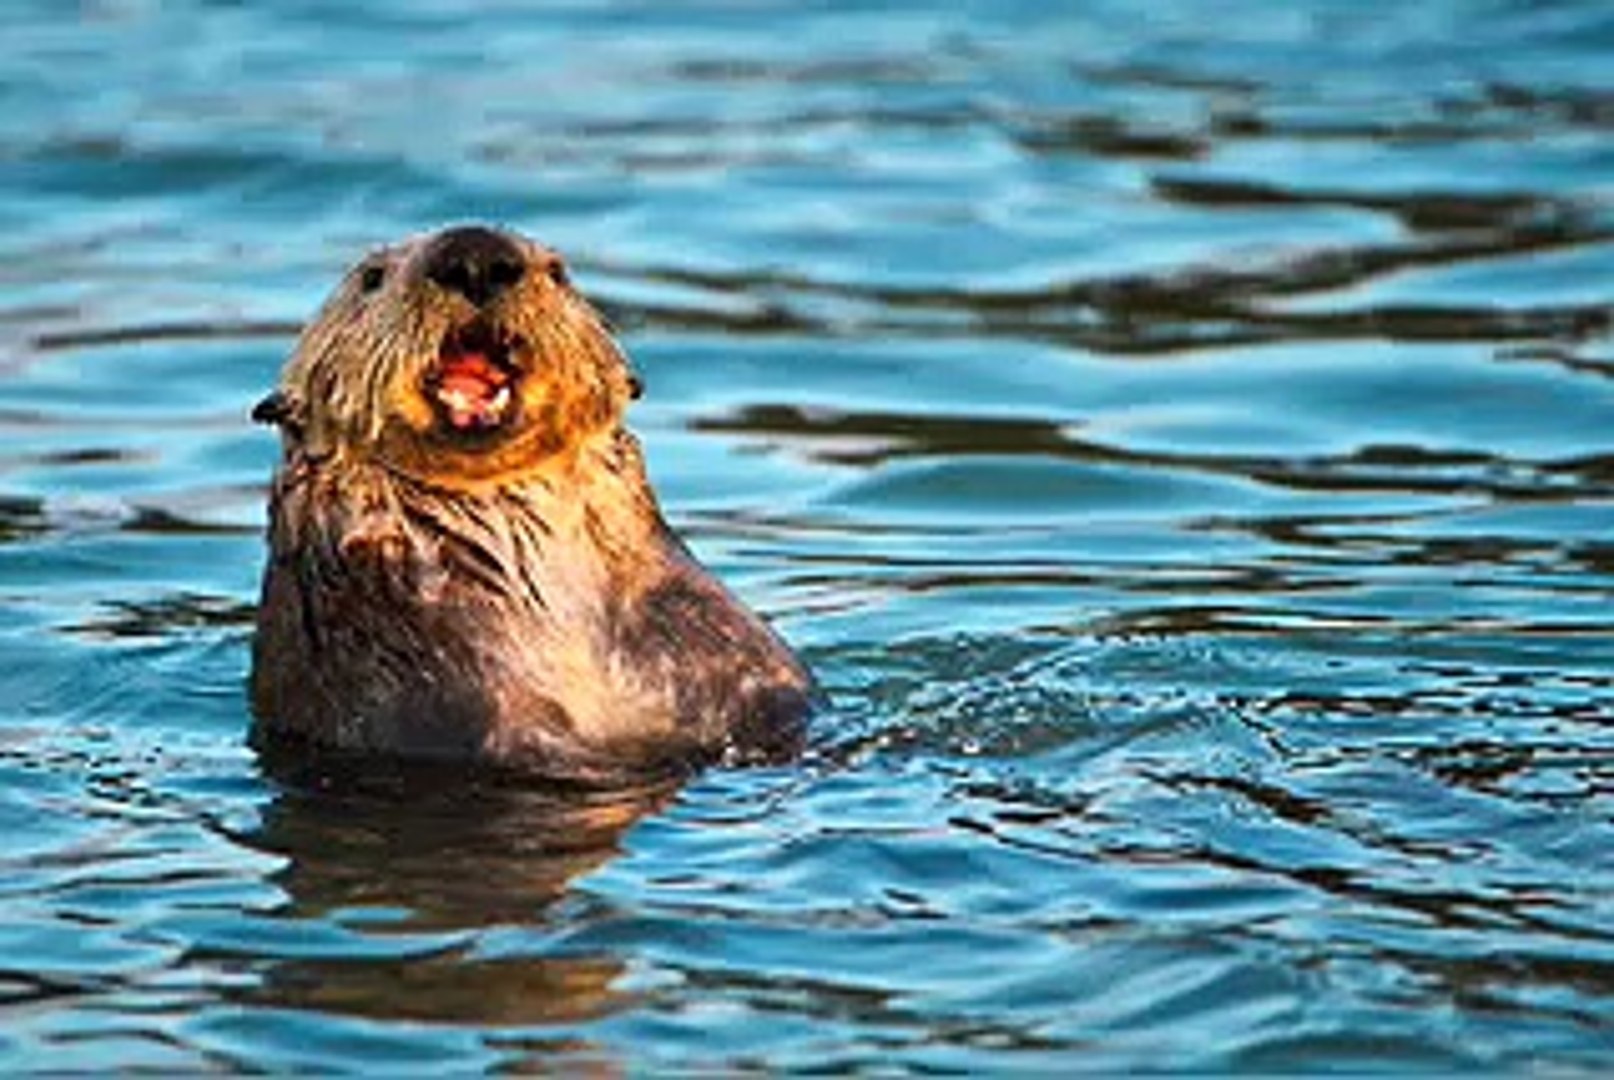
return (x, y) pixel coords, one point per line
(557, 272)
(371, 277)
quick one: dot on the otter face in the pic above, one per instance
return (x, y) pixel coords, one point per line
(459, 357)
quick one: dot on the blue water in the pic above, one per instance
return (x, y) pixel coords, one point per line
(1180, 436)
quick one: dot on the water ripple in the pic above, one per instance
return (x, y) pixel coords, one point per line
(1180, 446)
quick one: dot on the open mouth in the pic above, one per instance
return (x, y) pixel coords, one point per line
(473, 381)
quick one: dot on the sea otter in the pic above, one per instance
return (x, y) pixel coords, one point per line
(466, 561)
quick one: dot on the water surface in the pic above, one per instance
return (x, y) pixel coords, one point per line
(1179, 439)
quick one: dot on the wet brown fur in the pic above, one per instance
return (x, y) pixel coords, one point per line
(511, 598)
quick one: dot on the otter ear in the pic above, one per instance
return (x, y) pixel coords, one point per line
(281, 409)
(272, 409)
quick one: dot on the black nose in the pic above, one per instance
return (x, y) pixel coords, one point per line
(477, 263)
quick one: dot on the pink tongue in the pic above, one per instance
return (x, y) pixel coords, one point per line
(468, 387)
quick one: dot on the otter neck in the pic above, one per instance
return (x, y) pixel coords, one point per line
(524, 463)
(593, 498)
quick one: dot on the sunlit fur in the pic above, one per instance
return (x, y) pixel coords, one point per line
(363, 358)
(510, 597)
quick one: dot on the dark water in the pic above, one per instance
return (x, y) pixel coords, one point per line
(1181, 436)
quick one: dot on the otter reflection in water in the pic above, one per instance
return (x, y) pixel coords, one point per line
(466, 561)
(433, 895)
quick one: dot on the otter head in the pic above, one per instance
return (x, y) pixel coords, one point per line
(460, 358)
